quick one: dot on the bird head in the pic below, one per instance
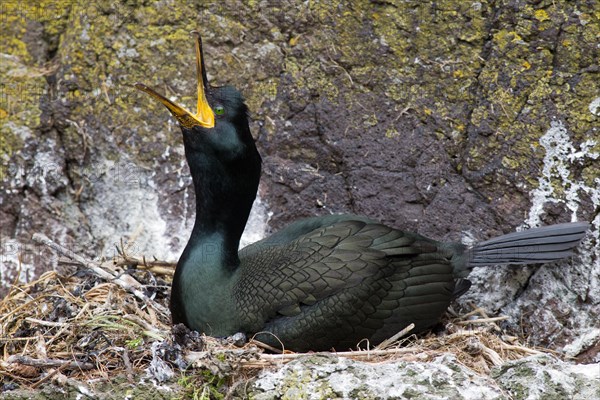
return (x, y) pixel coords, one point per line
(220, 124)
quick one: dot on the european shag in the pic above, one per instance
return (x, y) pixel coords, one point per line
(321, 283)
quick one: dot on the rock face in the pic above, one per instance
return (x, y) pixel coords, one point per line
(321, 377)
(458, 120)
(544, 377)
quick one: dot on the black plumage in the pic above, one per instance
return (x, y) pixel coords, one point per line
(323, 282)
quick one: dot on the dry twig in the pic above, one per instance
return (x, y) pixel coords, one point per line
(127, 282)
(49, 363)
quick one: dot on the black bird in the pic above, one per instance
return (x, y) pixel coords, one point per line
(323, 282)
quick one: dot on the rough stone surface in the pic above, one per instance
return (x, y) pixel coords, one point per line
(545, 377)
(118, 388)
(321, 377)
(455, 119)
(532, 378)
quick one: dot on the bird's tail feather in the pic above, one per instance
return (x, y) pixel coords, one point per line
(537, 245)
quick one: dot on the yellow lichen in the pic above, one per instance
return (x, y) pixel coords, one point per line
(541, 15)
(391, 133)
(503, 38)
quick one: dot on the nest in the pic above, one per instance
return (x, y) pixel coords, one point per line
(111, 318)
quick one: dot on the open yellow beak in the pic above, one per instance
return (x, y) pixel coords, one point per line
(204, 116)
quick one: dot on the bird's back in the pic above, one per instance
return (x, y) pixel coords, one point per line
(337, 280)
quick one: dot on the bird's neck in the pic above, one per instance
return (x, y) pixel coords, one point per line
(223, 204)
(202, 285)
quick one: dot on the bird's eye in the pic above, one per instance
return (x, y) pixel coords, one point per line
(219, 110)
